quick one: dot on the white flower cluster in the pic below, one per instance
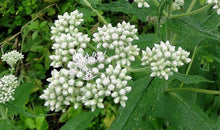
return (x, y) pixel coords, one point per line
(142, 3)
(216, 5)
(178, 4)
(12, 57)
(8, 84)
(118, 39)
(164, 59)
(67, 38)
(62, 91)
(86, 79)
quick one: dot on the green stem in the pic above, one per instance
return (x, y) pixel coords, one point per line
(102, 19)
(3, 113)
(191, 6)
(168, 33)
(145, 69)
(197, 90)
(193, 12)
(190, 65)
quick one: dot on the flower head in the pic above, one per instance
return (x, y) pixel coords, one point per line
(8, 84)
(12, 57)
(164, 59)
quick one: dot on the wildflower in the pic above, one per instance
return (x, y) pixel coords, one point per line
(12, 57)
(164, 59)
(8, 84)
(61, 91)
(178, 4)
(118, 39)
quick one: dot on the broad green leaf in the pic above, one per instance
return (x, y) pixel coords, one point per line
(22, 94)
(191, 79)
(81, 121)
(182, 114)
(134, 96)
(127, 8)
(154, 105)
(188, 26)
(146, 40)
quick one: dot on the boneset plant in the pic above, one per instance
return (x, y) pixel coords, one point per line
(158, 68)
(88, 79)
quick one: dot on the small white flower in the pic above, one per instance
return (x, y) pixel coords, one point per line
(12, 57)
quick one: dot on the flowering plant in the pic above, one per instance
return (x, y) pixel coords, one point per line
(126, 64)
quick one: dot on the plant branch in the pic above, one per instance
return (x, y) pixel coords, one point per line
(190, 65)
(197, 90)
(191, 6)
(102, 19)
(193, 12)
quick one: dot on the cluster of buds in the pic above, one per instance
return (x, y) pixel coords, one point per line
(164, 59)
(118, 39)
(87, 78)
(216, 5)
(62, 91)
(67, 38)
(12, 57)
(178, 4)
(8, 84)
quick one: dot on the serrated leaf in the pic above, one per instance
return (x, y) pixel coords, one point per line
(190, 27)
(133, 98)
(19, 110)
(127, 8)
(191, 79)
(81, 121)
(154, 104)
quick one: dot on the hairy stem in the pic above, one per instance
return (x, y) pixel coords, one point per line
(197, 90)
(102, 19)
(193, 12)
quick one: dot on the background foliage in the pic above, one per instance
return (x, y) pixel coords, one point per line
(25, 26)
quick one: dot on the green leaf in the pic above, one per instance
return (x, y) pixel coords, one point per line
(190, 27)
(154, 105)
(19, 110)
(30, 123)
(191, 79)
(22, 94)
(127, 8)
(146, 40)
(34, 35)
(81, 122)
(133, 99)
(6, 124)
